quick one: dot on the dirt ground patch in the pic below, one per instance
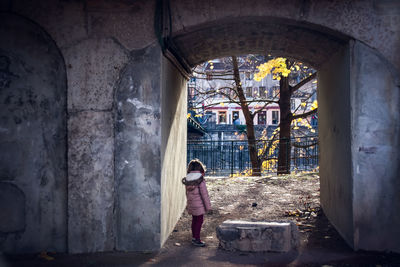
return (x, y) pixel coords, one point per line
(293, 197)
(271, 198)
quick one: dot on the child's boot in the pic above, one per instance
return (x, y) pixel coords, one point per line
(198, 243)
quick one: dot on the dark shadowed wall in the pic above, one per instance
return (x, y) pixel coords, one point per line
(33, 160)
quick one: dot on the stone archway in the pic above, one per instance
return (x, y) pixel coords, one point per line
(352, 114)
(111, 47)
(33, 140)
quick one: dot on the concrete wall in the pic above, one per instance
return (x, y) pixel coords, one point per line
(93, 68)
(285, 27)
(138, 152)
(33, 163)
(375, 102)
(173, 147)
(359, 129)
(335, 142)
(109, 46)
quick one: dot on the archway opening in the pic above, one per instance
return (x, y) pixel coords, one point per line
(220, 141)
(281, 39)
(243, 111)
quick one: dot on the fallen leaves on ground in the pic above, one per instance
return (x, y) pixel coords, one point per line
(270, 198)
(43, 255)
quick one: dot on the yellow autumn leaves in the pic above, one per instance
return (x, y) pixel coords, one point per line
(314, 105)
(276, 66)
(302, 122)
(197, 115)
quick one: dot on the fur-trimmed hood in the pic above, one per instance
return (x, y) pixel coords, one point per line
(193, 178)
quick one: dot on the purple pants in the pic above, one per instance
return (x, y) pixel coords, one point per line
(197, 221)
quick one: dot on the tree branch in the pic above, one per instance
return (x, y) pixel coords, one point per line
(261, 109)
(304, 115)
(303, 82)
(305, 146)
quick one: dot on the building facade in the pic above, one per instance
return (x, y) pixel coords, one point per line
(211, 96)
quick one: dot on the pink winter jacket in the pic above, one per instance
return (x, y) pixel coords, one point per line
(198, 201)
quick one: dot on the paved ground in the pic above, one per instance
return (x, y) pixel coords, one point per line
(187, 255)
(320, 244)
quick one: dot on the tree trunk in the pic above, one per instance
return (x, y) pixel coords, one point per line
(285, 121)
(251, 139)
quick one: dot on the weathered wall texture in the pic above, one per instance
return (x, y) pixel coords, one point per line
(173, 147)
(33, 170)
(360, 144)
(335, 142)
(375, 101)
(69, 22)
(138, 152)
(278, 38)
(93, 67)
(119, 180)
(90, 182)
(371, 21)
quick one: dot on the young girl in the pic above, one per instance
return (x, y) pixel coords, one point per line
(198, 201)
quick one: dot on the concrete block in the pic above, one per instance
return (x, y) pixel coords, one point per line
(91, 182)
(135, 20)
(93, 67)
(258, 236)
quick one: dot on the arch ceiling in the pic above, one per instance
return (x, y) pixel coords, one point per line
(257, 36)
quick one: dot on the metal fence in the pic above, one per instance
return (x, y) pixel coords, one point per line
(231, 157)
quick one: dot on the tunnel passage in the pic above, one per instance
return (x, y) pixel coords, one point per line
(342, 94)
(343, 65)
(111, 47)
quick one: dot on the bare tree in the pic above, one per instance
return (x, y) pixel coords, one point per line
(233, 92)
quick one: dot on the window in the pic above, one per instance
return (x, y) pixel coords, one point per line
(233, 94)
(262, 118)
(209, 76)
(275, 91)
(191, 93)
(212, 117)
(255, 92)
(275, 117)
(235, 117)
(221, 117)
(249, 92)
(262, 92)
(292, 104)
(270, 93)
(249, 76)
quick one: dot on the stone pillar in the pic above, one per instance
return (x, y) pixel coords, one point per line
(150, 155)
(93, 66)
(359, 129)
(33, 164)
(375, 116)
(335, 142)
(138, 152)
